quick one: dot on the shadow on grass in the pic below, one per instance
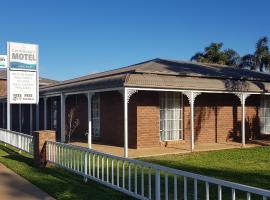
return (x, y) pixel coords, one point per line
(57, 182)
(257, 178)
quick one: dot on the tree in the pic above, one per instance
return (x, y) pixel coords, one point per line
(214, 54)
(232, 58)
(260, 60)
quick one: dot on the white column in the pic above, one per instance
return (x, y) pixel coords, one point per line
(9, 110)
(9, 116)
(192, 121)
(243, 97)
(37, 117)
(45, 112)
(31, 119)
(3, 114)
(243, 124)
(126, 93)
(20, 118)
(89, 98)
(191, 98)
(63, 117)
(126, 122)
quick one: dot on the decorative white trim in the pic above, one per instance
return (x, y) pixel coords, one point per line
(87, 94)
(129, 92)
(191, 96)
(201, 91)
(242, 97)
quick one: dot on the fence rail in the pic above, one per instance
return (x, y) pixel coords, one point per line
(144, 180)
(20, 141)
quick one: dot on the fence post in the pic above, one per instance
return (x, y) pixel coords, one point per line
(157, 181)
(39, 139)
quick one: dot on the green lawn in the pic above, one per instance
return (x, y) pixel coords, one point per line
(250, 166)
(56, 182)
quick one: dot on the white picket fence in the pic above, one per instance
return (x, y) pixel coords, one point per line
(20, 141)
(144, 180)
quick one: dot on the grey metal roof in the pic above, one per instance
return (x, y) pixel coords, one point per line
(182, 68)
(164, 73)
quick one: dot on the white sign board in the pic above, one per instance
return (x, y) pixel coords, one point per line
(23, 56)
(23, 76)
(3, 61)
(23, 87)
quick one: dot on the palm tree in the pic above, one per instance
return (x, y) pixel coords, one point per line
(248, 61)
(260, 60)
(214, 54)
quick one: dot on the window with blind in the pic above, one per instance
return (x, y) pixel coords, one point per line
(170, 116)
(265, 115)
(96, 115)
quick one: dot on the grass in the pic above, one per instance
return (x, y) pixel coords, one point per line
(58, 183)
(250, 166)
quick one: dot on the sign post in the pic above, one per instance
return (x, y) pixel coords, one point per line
(22, 75)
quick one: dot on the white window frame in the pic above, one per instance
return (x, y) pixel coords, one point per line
(96, 116)
(264, 114)
(164, 107)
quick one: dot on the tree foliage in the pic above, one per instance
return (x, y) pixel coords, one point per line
(259, 60)
(214, 54)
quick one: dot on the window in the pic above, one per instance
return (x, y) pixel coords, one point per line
(265, 115)
(96, 115)
(170, 116)
(54, 114)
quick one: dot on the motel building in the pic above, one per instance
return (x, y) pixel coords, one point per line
(158, 106)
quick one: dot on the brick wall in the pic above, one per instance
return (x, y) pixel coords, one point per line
(217, 118)
(148, 126)
(112, 120)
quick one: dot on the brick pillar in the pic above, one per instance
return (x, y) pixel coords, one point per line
(40, 138)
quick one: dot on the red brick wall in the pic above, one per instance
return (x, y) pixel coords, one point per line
(112, 120)
(148, 117)
(217, 118)
(111, 114)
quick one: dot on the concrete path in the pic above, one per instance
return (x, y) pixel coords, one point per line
(180, 148)
(14, 187)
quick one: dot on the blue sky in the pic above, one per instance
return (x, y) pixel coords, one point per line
(81, 37)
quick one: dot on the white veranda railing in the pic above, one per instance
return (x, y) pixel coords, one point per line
(144, 180)
(20, 141)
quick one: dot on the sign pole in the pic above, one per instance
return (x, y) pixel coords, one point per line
(8, 96)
